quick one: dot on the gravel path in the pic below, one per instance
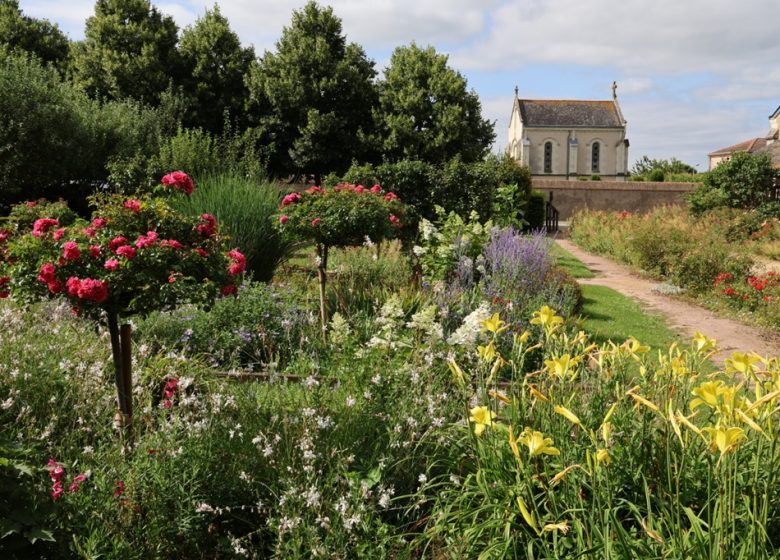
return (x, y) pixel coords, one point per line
(731, 335)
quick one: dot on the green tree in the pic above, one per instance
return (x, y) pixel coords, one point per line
(426, 111)
(129, 51)
(645, 166)
(313, 96)
(39, 37)
(744, 181)
(214, 65)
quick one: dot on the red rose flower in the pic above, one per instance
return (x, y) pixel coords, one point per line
(70, 251)
(46, 273)
(202, 252)
(4, 281)
(98, 223)
(126, 251)
(55, 286)
(239, 262)
(94, 251)
(283, 219)
(179, 180)
(58, 234)
(209, 225)
(134, 205)
(229, 290)
(394, 220)
(376, 189)
(389, 197)
(291, 198)
(146, 240)
(73, 284)
(43, 225)
(93, 290)
(115, 243)
(316, 221)
(111, 265)
(172, 243)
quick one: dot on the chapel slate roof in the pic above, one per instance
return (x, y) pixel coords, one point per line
(570, 113)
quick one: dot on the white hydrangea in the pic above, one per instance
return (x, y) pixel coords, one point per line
(425, 321)
(467, 333)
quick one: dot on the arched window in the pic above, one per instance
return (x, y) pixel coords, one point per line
(548, 157)
(595, 157)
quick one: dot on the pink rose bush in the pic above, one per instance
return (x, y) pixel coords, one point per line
(122, 259)
(343, 215)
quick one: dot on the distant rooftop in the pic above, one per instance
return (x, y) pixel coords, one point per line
(562, 113)
(750, 146)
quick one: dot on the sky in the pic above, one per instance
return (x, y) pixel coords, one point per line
(693, 75)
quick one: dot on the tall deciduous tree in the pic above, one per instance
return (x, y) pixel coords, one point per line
(426, 111)
(39, 37)
(129, 51)
(214, 65)
(313, 96)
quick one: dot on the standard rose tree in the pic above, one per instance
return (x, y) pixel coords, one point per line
(340, 217)
(135, 256)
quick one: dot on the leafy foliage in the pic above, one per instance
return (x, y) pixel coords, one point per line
(312, 97)
(744, 181)
(129, 51)
(34, 36)
(426, 112)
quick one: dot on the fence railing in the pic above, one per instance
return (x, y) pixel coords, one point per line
(550, 216)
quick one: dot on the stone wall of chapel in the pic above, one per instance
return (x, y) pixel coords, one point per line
(537, 138)
(609, 140)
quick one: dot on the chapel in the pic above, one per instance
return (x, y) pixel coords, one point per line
(567, 139)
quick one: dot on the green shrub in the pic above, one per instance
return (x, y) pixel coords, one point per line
(245, 209)
(744, 181)
(595, 177)
(535, 212)
(656, 175)
(697, 269)
(637, 178)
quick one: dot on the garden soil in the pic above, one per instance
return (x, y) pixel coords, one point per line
(685, 318)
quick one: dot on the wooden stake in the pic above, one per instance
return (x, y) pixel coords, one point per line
(322, 267)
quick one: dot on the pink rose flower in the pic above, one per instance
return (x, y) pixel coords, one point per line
(239, 262)
(202, 252)
(179, 180)
(376, 189)
(43, 225)
(389, 197)
(94, 251)
(172, 243)
(394, 220)
(70, 251)
(229, 290)
(57, 491)
(126, 251)
(146, 240)
(360, 189)
(58, 234)
(116, 242)
(208, 227)
(55, 286)
(73, 285)
(316, 221)
(314, 190)
(111, 265)
(31, 203)
(47, 272)
(98, 223)
(291, 198)
(93, 290)
(283, 219)
(134, 205)
(4, 235)
(90, 232)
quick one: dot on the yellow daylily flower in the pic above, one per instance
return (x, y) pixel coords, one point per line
(482, 417)
(707, 393)
(561, 475)
(537, 444)
(702, 343)
(686, 421)
(563, 527)
(513, 445)
(641, 400)
(494, 324)
(527, 515)
(673, 421)
(546, 317)
(748, 420)
(650, 533)
(537, 394)
(725, 439)
(742, 362)
(606, 432)
(519, 339)
(603, 456)
(487, 353)
(500, 395)
(559, 366)
(457, 373)
(633, 346)
(568, 414)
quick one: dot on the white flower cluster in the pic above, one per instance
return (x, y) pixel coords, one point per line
(425, 321)
(467, 333)
(339, 328)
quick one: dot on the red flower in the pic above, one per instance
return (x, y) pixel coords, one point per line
(209, 225)
(90, 232)
(202, 252)
(93, 290)
(94, 251)
(389, 197)
(133, 205)
(116, 242)
(4, 293)
(291, 198)
(98, 223)
(283, 219)
(146, 240)
(730, 291)
(229, 290)
(58, 234)
(55, 286)
(111, 265)
(57, 491)
(126, 251)
(73, 285)
(167, 403)
(31, 203)
(70, 251)
(316, 221)
(43, 225)
(172, 243)
(180, 180)
(239, 262)
(376, 189)
(4, 235)
(120, 488)
(46, 273)
(314, 190)
(394, 220)
(170, 387)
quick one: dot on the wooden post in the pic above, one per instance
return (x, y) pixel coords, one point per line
(125, 336)
(322, 274)
(121, 354)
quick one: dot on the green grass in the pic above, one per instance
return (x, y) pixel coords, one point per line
(609, 315)
(570, 263)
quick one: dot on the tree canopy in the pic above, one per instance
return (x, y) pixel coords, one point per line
(129, 51)
(213, 64)
(313, 96)
(426, 111)
(35, 36)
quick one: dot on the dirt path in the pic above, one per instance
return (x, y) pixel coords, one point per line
(683, 317)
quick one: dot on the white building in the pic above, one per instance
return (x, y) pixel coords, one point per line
(564, 139)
